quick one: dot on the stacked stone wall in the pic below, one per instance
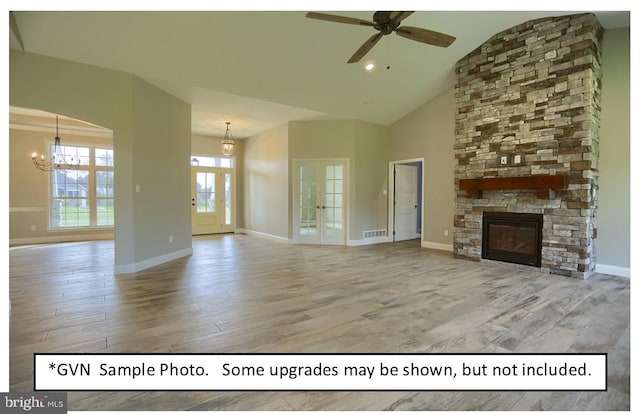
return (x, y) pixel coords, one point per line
(533, 92)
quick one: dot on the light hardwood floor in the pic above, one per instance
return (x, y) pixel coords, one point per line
(244, 294)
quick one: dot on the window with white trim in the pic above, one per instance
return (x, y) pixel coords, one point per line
(204, 161)
(83, 197)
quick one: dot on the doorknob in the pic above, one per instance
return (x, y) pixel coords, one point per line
(416, 206)
(317, 207)
(323, 207)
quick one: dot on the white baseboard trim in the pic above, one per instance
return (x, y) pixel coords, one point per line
(613, 270)
(60, 239)
(437, 246)
(369, 240)
(263, 235)
(154, 261)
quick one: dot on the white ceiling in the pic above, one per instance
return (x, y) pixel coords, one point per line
(260, 69)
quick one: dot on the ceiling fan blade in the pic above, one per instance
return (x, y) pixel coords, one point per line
(425, 36)
(365, 48)
(398, 16)
(339, 19)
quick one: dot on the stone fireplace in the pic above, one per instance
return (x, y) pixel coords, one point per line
(527, 121)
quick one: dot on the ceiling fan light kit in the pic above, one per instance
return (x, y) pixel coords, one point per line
(387, 22)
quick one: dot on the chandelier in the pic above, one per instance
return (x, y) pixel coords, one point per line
(228, 143)
(57, 160)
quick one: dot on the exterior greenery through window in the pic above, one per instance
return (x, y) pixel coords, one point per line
(83, 197)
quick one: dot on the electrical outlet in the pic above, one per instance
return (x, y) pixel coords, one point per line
(33, 227)
(446, 233)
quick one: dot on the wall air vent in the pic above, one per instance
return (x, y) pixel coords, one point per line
(367, 234)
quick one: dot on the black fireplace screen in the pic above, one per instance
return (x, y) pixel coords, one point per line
(512, 237)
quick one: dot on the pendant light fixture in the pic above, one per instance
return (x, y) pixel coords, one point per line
(57, 160)
(228, 143)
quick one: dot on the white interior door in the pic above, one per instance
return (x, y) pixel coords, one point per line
(406, 202)
(211, 200)
(319, 202)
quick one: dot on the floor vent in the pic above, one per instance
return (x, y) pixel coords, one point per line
(367, 234)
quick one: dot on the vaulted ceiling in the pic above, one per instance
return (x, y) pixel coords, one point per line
(260, 69)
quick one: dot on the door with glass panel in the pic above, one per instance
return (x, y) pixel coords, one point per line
(319, 209)
(211, 199)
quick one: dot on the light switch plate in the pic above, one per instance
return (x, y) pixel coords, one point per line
(517, 159)
(504, 160)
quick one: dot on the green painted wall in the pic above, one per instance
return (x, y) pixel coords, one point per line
(265, 183)
(428, 132)
(371, 170)
(161, 147)
(613, 216)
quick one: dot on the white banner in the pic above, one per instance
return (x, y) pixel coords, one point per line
(320, 372)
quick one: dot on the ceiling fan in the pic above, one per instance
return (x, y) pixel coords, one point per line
(387, 22)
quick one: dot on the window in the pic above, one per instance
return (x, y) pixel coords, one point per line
(83, 197)
(203, 161)
(206, 192)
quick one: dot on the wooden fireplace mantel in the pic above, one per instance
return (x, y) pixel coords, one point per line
(544, 184)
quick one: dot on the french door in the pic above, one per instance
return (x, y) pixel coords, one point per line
(211, 200)
(320, 198)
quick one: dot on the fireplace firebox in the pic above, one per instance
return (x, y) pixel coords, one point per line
(512, 237)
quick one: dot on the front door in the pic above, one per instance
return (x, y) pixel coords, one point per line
(211, 200)
(319, 209)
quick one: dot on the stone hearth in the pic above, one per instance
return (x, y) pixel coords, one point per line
(528, 104)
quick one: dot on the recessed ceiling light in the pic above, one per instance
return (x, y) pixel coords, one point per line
(369, 66)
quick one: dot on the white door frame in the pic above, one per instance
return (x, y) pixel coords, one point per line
(295, 192)
(231, 228)
(391, 197)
